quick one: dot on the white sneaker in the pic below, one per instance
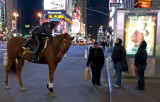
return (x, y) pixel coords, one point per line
(116, 86)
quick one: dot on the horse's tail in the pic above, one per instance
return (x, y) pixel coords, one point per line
(12, 66)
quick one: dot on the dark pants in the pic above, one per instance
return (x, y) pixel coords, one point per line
(141, 81)
(118, 73)
(37, 38)
(96, 75)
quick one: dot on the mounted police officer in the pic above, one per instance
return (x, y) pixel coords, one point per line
(44, 30)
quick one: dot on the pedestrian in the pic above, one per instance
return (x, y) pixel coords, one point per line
(96, 62)
(141, 63)
(118, 54)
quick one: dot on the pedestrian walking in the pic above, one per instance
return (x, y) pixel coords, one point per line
(141, 63)
(96, 62)
(117, 56)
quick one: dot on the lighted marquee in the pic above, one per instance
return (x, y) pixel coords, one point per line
(138, 28)
(54, 4)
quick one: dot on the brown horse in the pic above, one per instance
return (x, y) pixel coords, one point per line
(51, 55)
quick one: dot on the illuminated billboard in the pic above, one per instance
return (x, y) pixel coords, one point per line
(139, 27)
(144, 3)
(54, 4)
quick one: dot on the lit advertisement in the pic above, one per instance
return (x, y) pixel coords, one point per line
(144, 3)
(138, 28)
(54, 4)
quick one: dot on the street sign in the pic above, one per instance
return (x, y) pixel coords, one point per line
(115, 4)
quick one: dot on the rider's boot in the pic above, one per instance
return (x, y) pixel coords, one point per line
(35, 56)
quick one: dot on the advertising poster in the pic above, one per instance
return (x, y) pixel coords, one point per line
(139, 27)
(54, 4)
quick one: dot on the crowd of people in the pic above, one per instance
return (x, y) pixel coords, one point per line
(96, 62)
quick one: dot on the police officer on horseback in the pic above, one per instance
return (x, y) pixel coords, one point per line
(44, 30)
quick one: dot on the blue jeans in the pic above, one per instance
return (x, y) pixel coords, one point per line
(118, 73)
(141, 81)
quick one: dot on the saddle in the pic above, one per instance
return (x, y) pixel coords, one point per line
(31, 44)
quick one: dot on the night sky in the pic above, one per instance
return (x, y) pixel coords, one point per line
(28, 10)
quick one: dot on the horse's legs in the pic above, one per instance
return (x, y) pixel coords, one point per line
(18, 70)
(52, 68)
(9, 64)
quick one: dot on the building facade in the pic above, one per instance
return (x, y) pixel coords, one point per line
(79, 18)
(10, 8)
(2, 16)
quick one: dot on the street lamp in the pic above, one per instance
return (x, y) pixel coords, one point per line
(15, 14)
(40, 15)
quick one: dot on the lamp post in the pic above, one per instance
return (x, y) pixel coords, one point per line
(15, 14)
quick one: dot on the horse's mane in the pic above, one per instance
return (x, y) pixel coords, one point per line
(57, 41)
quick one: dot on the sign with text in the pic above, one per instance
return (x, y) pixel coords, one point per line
(144, 3)
(115, 4)
(14, 24)
(54, 4)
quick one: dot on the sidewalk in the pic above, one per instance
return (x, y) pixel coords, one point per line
(128, 92)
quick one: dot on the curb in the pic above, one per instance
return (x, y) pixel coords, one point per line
(109, 82)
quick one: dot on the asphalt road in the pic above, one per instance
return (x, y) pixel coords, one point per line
(69, 83)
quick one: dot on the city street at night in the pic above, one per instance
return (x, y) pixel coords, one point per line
(69, 83)
(118, 40)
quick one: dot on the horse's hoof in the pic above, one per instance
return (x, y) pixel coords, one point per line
(52, 94)
(23, 89)
(7, 87)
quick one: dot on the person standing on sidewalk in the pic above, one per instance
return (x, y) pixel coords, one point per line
(96, 61)
(117, 55)
(141, 63)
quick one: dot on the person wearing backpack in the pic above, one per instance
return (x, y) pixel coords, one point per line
(96, 62)
(118, 54)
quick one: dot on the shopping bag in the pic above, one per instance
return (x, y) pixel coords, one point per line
(87, 75)
(135, 69)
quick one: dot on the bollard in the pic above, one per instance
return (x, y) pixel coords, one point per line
(5, 60)
(88, 48)
(65, 56)
(85, 56)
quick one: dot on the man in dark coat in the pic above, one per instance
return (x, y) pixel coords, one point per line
(118, 54)
(96, 61)
(141, 63)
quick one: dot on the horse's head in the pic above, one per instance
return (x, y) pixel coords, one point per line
(65, 44)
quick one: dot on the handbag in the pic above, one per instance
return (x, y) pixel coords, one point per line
(87, 75)
(123, 65)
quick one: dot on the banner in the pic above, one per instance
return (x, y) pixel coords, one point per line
(139, 27)
(14, 24)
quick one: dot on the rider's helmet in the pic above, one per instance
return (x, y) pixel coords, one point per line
(55, 19)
